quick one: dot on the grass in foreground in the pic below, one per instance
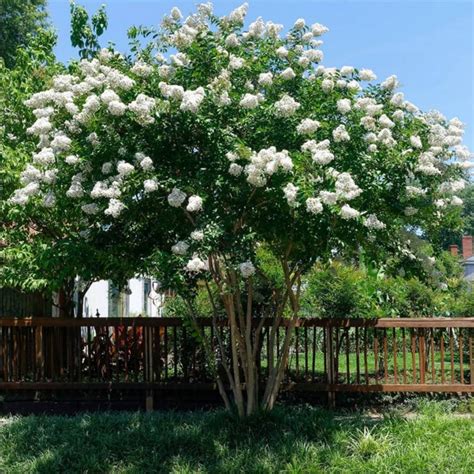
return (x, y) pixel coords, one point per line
(291, 439)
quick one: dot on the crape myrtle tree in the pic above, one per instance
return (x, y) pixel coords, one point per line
(216, 147)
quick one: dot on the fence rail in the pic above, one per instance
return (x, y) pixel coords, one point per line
(329, 355)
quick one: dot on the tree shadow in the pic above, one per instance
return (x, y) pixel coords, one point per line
(162, 442)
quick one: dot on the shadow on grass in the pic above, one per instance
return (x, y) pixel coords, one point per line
(297, 439)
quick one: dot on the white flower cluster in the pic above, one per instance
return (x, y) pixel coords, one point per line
(192, 100)
(319, 151)
(291, 191)
(196, 265)
(247, 269)
(307, 126)
(143, 107)
(180, 248)
(194, 204)
(176, 197)
(286, 106)
(251, 101)
(265, 163)
(340, 134)
(372, 222)
(314, 205)
(347, 212)
(115, 208)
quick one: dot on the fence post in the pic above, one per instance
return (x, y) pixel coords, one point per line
(39, 352)
(330, 360)
(148, 363)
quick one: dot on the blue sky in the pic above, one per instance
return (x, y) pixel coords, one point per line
(429, 45)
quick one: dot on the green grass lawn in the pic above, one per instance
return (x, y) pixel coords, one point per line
(291, 439)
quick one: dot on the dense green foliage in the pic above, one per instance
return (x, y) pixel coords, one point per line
(20, 21)
(298, 439)
(342, 290)
(453, 235)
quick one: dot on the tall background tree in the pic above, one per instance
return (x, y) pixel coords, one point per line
(19, 21)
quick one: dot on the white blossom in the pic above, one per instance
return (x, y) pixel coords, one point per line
(140, 68)
(327, 85)
(150, 185)
(90, 209)
(44, 157)
(346, 71)
(282, 52)
(235, 169)
(197, 235)
(71, 159)
(367, 75)
(176, 197)
(107, 167)
(232, 41)
(192, 100)
(124, 168)
(291, 191)
(288, 74)
(415, 141)
(314, 205)
(180, 248)
(194, 204)
(176, 14)
(347, 212)
(390, 83)
(236, 63)
(146, 162)
(456, 201)
(340, 134)
(299, 24)
(344, 106)
(250, 101)
(114, 208)
(265, 79)
(307, 126)
(247, 269)
(385, 122)
(286, 106)
(41, 127)
(346, 188)
(117, 108)
(372, 222)
(196, 265)
(317, 29)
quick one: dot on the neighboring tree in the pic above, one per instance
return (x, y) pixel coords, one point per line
(84, 33)
(230, 159)
(34, 254)
(20, 20)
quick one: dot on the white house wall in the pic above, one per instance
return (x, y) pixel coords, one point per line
(97, 299)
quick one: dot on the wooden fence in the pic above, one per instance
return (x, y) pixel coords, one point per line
(388, 355)
(22, 304)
